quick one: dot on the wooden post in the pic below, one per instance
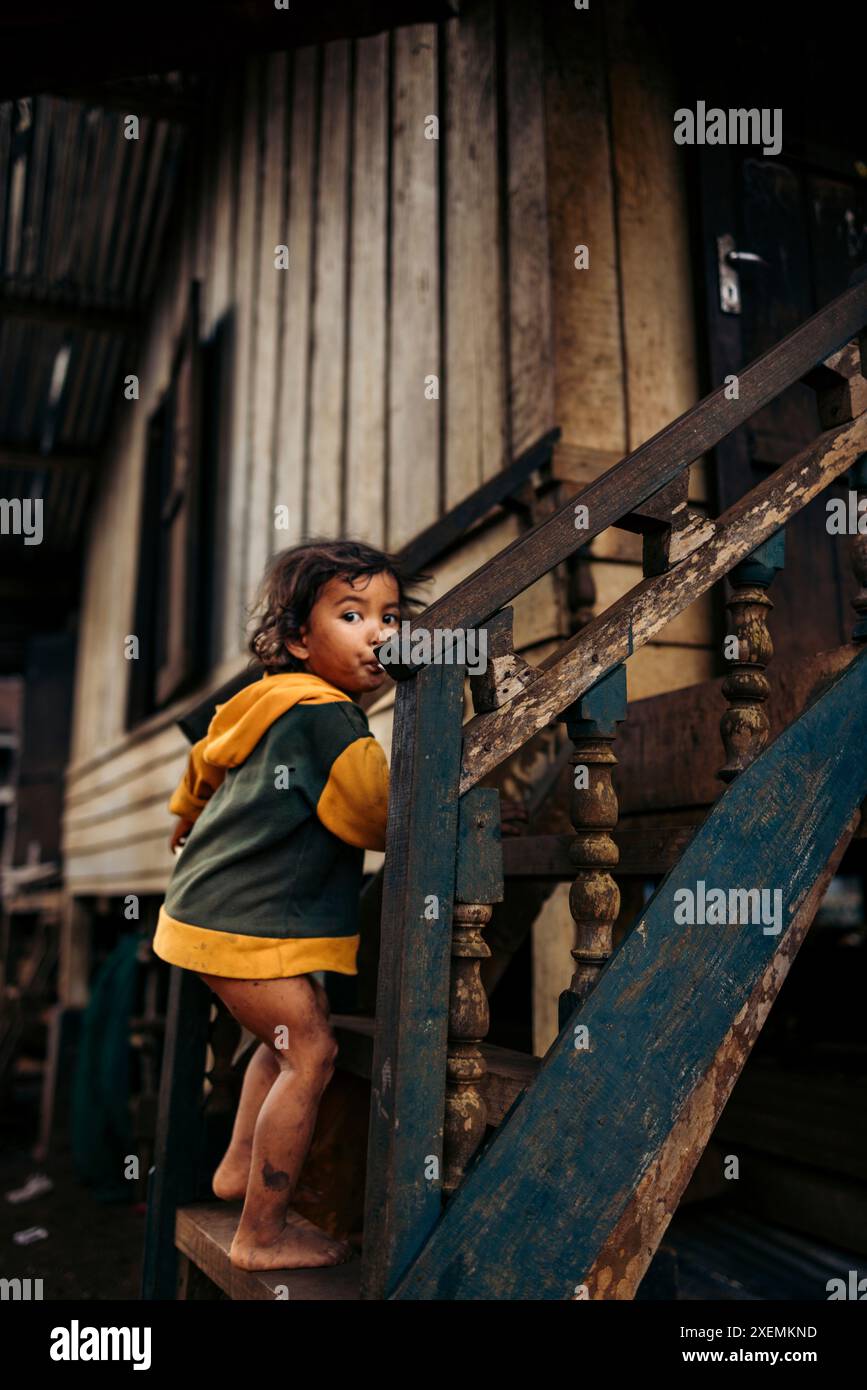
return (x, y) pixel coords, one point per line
(73, 976)
(858, 553)
(744, 726)
(180, 1129)
(594, 898)
(408, 1078)
(478, 883)
(593, 1158)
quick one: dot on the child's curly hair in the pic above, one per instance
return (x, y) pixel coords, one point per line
(293, 581)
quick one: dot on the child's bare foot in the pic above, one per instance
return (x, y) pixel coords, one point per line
(300, 1245)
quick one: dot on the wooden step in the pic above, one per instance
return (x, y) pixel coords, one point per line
(204, 1233)
(508, 1072)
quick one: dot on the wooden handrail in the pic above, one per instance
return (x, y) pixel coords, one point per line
(640, 614)
(435, 759)
(641, 474)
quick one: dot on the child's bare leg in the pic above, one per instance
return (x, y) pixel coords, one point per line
(230, 1179)
(270, 1235)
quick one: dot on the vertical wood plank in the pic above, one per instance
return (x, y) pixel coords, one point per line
(328, 367)
(652, 230)
(588, 350)
(238, 472)
(295, 357)
(414, 311)
(271, 284)
(224, 134)
(474, 404)
(408, 1079)
(530, 345)
(365, 425)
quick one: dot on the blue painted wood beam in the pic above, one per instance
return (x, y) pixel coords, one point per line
(541, 1204)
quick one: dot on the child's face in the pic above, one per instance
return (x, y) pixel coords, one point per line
(347, 620)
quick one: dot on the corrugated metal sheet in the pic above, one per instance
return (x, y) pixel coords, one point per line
(83, 216)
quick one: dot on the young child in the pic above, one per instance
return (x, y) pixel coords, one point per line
(279, 801)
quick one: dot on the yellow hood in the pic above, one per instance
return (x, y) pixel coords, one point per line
(238, 725)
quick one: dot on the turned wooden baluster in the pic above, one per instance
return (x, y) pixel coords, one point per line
(594, 898)
(479, 882)
(858, 553)
(744, 726)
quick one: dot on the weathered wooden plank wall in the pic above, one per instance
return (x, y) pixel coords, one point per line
(623, 332)
(411, 260)
(401, 360)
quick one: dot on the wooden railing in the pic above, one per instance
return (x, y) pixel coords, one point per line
(442, 862)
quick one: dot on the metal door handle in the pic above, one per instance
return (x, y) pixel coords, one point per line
(728, 258)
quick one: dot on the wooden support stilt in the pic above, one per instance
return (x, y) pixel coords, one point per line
(177, 1175)
(744, 726)
(594, 898)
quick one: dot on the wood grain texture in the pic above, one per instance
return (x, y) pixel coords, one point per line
(414, 318)
(652, 228)
(556, 1183)
(531, 392)
(235, 595)
(644, 612)
(365, 424)
(204, 1233)
(474, 380)
(270, 288)
(408, 1082)
(328, 365)
(650, 467)
(292, 413)
(669, 747)
(588, 362)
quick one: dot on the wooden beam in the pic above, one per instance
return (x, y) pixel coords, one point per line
(650, 606)
(587, 1169)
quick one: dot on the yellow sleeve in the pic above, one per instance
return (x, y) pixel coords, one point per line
(354, 800)
(197, 785)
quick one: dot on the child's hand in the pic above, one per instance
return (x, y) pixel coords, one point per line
(180, 832)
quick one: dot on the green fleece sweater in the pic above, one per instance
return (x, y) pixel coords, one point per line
(286, 790)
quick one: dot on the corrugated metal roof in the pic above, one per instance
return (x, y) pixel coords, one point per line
(83, 213)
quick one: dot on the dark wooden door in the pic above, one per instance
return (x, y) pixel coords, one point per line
(807, 220)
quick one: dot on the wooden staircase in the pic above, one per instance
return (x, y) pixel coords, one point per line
(491, 1174)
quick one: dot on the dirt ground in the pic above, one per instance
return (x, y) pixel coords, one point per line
(93, 1249)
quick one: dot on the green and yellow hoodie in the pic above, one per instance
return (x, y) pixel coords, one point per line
(286, 790)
